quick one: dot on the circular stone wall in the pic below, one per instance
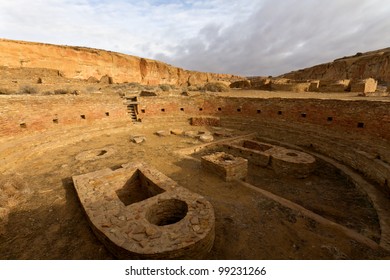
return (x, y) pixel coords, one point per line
(167, 212)
(291, 162)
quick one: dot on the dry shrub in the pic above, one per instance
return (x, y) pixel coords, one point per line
(133, 85)
(216, 87)
(165, 87)
(147, 93)
(28, 89)
(61, 91)
(92, 89)
(6, 91)
(194, 88)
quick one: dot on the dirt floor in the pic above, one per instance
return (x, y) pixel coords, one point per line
(48, 221)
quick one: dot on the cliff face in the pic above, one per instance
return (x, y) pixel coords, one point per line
(375, 64)
(82, 63)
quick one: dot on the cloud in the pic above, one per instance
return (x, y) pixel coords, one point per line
(281, 36)
(263, 37)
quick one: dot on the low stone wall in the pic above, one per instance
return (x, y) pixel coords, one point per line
(334, 85)
(283, 161)
(294, 87)
(254, 153)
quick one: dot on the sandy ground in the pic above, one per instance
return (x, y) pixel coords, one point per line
(48, 223)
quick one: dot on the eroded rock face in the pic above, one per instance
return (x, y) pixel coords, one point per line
(86, 63)
(373, 64)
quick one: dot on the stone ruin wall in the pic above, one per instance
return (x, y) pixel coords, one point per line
(25, 114)
(83, 63)
(319, 124)
(46, 112)
(307, 122)
(368, 85)
(357, 117)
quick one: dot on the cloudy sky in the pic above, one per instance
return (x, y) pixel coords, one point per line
(246, 37)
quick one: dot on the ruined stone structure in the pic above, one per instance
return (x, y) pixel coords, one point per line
(226, 166)
(346, 85)
(354, 133)
(222, 152)
(139, 213)
(281, 160)
(365, 86)
(28, 114)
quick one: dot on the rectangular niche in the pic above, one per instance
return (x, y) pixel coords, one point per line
(138, 188)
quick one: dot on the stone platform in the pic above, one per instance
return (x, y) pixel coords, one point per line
(139, 213)
(282, 160)
(226, 166)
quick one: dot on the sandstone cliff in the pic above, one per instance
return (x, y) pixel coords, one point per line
(375, 64)
(83, 63)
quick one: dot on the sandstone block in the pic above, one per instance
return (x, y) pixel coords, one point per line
(162, 133)
(138, 139)
(206, 138)
(177, 131)
(191, 134)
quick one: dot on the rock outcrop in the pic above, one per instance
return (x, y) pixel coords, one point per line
(86, 63)
(374, 64)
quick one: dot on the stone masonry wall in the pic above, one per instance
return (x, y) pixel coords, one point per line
(357, 117)
(320, 124)
(24, 114)
(366, 122)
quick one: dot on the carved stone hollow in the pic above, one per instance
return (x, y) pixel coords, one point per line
(139, 213)
(226, 166)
